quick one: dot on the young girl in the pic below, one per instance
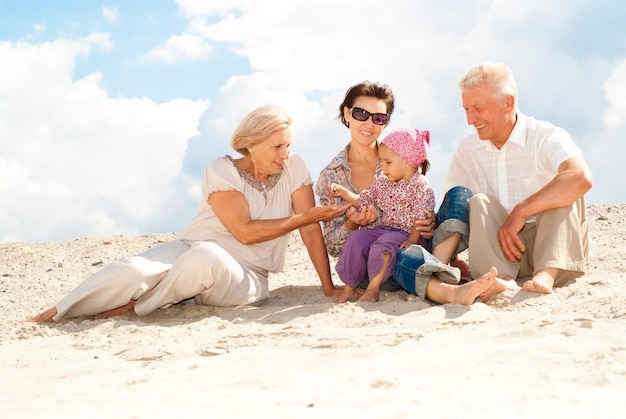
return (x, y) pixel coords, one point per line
(403, 195)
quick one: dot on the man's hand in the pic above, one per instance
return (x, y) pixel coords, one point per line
(509, 239)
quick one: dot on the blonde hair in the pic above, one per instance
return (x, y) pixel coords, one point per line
(495, 76)
(257, 126)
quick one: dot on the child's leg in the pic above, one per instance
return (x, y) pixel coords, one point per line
(347, 294)
(372, 293)
(386, 244)
(381, 261)
(352, 263)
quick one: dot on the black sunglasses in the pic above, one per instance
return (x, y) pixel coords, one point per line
(362, 115)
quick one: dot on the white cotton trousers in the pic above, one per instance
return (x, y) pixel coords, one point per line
(164, 275)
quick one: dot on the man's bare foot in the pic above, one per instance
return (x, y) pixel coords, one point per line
(466, 294)
(45, 316)
(370, 295)
(117, 311)
(542, 282)
(348, 294)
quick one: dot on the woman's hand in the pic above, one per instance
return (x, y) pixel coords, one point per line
(326, 212)
(361, 217)
(426, 227)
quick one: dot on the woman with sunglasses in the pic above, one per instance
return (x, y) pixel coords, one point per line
(366, 110)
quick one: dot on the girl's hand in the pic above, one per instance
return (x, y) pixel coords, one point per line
(336, 189)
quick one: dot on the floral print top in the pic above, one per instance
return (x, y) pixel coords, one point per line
(337, 171)
(401, 202)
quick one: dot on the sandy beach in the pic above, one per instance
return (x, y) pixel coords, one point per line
(301, 355)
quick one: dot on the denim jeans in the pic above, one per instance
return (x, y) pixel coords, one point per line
(415, 267)
(452, 217)
(455, 205)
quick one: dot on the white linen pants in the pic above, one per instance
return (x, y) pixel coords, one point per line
(164, 275)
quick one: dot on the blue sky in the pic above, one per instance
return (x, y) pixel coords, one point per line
(109, 111)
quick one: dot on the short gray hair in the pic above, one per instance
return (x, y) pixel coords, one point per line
(497, 77)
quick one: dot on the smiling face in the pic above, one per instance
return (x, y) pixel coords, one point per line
(393, 166)
(365, 132)
(268, 156)
(493, 119)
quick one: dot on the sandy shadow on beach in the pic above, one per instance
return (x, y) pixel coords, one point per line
(284, 305)
(291, 302)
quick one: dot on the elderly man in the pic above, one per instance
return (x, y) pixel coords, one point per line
(527, 215)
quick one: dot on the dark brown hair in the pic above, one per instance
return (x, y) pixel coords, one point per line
(425, 166)
(367, 88)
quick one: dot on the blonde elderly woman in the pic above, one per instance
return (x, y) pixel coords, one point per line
(240, 233)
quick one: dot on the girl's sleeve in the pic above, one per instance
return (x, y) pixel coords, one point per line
(425, 201)
(369, 196)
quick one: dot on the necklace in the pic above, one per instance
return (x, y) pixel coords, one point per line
(261, 186)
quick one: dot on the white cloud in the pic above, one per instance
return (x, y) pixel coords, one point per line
(81, 161)
(39, 28)
(196, 8)
(307, 57)
(111, 14)
(179, 49)
(606, 146)
(85, 163)
(615, 90)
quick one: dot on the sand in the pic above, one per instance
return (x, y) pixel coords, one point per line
(301, 355)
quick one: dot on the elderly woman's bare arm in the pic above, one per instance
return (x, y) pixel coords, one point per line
(233, 211)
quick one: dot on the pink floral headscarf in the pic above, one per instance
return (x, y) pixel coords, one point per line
(408, 143)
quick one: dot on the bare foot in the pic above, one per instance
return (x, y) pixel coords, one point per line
(542, 282)
(370, 295)
(348, 294)
(117, 311)
(466, 294)
(45, 316)
(463, 266)
(496, 288)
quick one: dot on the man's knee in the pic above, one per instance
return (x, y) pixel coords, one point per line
(479, 201)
